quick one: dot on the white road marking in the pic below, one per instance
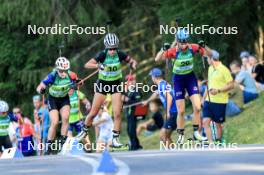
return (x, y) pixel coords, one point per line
(241, 167)
(123, 168)
(93, 162)
(155, 153)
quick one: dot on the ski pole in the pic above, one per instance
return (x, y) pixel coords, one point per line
(42, 123)
(61, 46)
(108, 24)
(87, 77)
(131, 105)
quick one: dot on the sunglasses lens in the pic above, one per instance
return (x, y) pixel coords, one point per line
(62, 71)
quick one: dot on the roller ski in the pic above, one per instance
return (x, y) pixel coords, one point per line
(117, 146)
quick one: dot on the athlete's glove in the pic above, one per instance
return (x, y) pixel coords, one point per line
(76, 83)
(165, 46)
(74, 86)
(101, 66)
(79, 82)
(201, 43)
(42, 91)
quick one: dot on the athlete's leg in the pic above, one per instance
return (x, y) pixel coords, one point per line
(54, 121)
(97, 102)
(196, 103)
(65, 112)
(180, 120)
(117, 107)
(181, 110)
(117, 101)
(70, 129)
(87, 144)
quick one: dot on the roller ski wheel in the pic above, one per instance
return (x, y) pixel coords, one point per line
(120, 148)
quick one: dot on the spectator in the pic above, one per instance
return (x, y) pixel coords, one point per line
(76, 116)
(246, 82)
(244, 55)
(220, 82)
(155, 122)
(232, 109)
(103, 121)
(25, 133)
(131, 97)
(166, 95)
(12, 132)
(5, 119)
(18, 113)
(257, 72)
(41, 120)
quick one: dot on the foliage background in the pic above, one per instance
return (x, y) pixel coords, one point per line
(26, 59)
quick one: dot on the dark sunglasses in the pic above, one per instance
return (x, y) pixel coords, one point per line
(112, 49)
(62, 71)
(184, 41)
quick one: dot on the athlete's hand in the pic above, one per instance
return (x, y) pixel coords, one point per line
(41, 88)
(101, 66)
(201, 43)
(79, 82)
(166, 46)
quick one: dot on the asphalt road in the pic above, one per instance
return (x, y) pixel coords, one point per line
(246, 159)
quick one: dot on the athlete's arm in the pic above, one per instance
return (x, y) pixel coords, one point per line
(44, 83)
(170, 53)
(202, 50)
(131, 62)
(159, 56)
(91, 64)
(124, 57)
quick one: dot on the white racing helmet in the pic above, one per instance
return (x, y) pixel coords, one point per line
(111, 41)
(3, 106)
(62, 63)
